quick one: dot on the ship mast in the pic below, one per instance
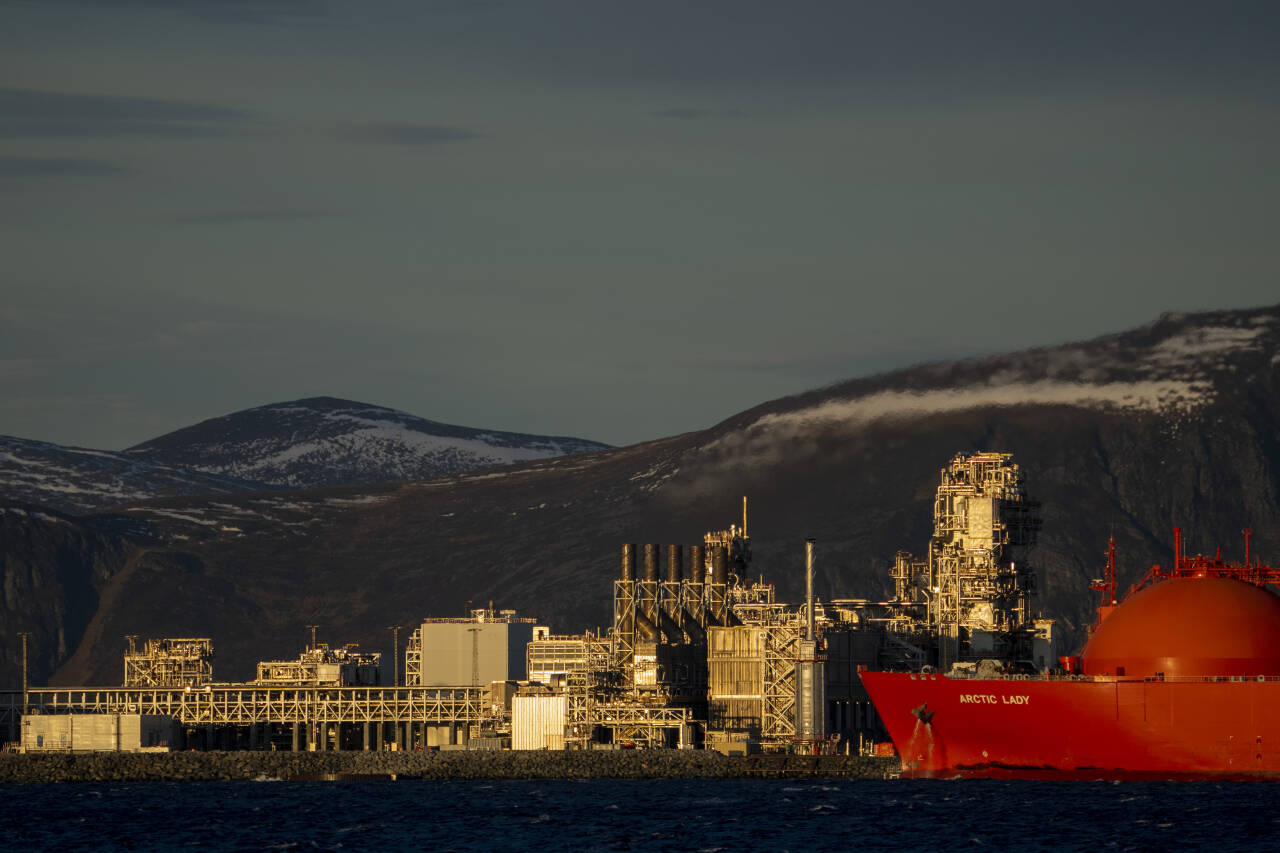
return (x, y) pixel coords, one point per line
(1107, 585)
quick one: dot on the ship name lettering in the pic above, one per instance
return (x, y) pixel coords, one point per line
(992, 699)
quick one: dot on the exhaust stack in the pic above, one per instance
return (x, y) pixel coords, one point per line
(808, 589)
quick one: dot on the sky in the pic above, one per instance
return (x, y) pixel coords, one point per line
(618, 221)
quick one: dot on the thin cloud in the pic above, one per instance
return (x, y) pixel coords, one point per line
(57, 167)
(409, 134)
(683, 114)
(243, 11)
(233, 217)
(37, 114)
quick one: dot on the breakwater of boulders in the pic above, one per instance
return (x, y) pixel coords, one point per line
(623, 764)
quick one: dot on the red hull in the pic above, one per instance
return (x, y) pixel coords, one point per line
(1104, 727)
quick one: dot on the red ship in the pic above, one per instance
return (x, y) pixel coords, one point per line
(1179, 680)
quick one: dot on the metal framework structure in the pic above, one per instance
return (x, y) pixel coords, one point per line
(974, 589)
(169, 662)
(624, 609)
(778, 714)
(585, 686)
(309, 709)
(644, 726)
(322, 666)
(243, 704)
(1256, 573)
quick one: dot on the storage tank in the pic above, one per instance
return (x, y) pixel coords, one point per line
(1189, 626)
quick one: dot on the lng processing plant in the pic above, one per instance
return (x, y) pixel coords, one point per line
(698, 655)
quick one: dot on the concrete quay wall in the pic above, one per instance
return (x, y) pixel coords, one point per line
(644, 764)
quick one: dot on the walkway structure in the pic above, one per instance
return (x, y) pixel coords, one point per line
(291, 717)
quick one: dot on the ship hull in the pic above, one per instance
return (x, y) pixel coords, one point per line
(1080, 728)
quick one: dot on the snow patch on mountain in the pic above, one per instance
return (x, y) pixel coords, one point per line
(1148, 396)
(1172, 375)
(76, 480)
(1197, 343)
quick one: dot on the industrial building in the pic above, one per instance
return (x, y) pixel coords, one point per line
(169, 662)
(321, 666)
(488, 647)
(697, 655)
(99, 733)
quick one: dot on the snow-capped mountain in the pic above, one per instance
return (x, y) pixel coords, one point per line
(76, 480)
(323, 441)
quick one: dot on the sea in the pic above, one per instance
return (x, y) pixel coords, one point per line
(650, 816)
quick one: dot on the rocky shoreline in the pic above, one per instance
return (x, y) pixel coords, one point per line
(648, 764)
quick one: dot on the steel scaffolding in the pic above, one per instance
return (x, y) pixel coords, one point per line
(778, 714)
(973, 591)
(169, 662)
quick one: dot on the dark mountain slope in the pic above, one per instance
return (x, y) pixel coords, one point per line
(55, 568)
(77, 480)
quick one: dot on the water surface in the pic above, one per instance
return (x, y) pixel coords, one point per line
(646, 816)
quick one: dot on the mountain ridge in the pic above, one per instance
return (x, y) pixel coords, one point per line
(854, 467)
(320, 441)
(314, 441)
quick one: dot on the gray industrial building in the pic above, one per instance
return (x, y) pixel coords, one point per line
(490, 646)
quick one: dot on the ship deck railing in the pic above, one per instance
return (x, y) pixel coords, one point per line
(1062, 676)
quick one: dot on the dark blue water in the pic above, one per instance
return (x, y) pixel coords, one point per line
(641, 816)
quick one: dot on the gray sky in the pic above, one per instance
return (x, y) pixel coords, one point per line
(612, 220)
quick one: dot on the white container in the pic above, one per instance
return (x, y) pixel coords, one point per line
(538, 721)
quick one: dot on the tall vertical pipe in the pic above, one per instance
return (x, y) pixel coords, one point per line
(628, 562)
(1177, 548)
(808, 588)
(395, 654)
(719, 564)
(695, 588)
(675, 564)
(651, 562)
(25, 700)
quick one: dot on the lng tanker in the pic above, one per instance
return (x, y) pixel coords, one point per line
(1181, 679)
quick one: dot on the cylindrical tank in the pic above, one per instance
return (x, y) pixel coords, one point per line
(1189, 626)
(697, 564)
(675, 564)
(719, 564)
(628, 562)
(651, 562)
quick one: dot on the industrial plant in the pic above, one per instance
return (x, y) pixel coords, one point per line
(698, 655)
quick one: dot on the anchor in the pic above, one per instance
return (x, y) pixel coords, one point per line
(922, 713)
